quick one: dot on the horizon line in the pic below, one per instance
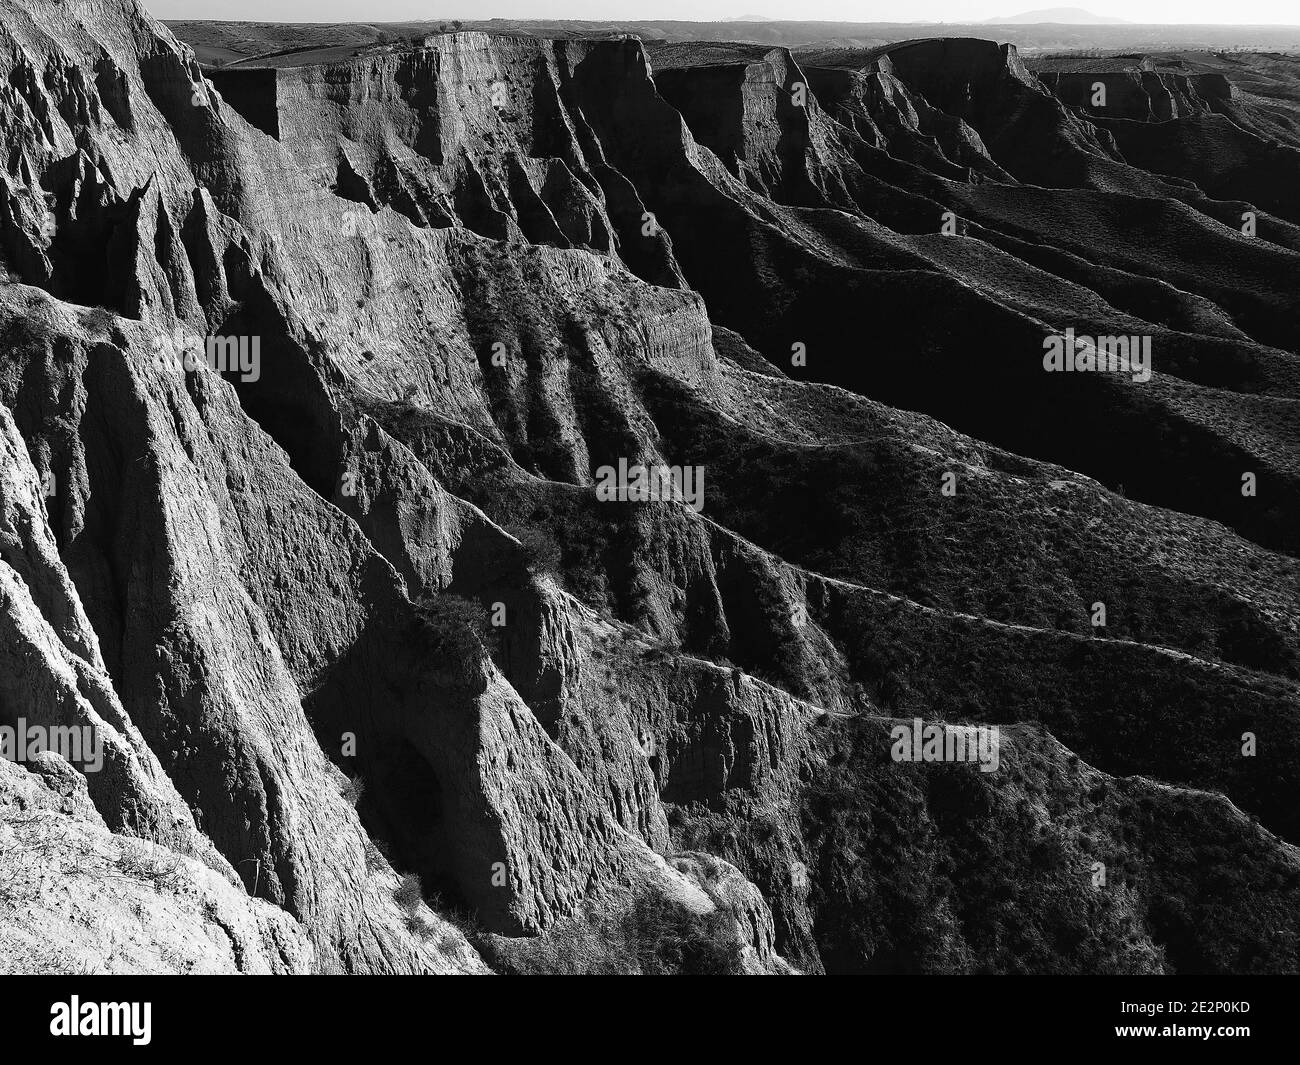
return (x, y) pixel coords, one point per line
(746, 22)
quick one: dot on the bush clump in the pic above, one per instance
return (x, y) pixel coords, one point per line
(666, 939)
(542, 552)
(655, 937)
(409, 893)
(453, 627)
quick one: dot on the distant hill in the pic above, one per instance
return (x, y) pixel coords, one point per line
(1070, 16)
(219, 43)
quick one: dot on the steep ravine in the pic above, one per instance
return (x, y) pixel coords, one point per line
(359, 617)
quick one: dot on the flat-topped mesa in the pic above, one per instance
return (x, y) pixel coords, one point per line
(871, 101)
(988, 86)
(878, 107)
(793, 133)
(956, 74)
(479, 130)
(469, 129)
(1141, 95)
(754, 114)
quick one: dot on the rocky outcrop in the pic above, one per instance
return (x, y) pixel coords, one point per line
(217, 645)
(469, 130)
(368, 650)
(1194, 126)
(879, 107)
(76, 899)
(1139, 95)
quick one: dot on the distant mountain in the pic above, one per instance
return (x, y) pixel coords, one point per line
(1073, 16)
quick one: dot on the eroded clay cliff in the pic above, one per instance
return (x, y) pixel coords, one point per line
(478, 271)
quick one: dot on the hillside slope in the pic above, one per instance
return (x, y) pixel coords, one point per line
(374, 655)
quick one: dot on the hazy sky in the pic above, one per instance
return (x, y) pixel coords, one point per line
(1238, 12)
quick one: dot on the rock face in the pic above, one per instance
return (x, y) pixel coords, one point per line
(1195, 125)
(1140, 95)
(392, 687)
(77, 899)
